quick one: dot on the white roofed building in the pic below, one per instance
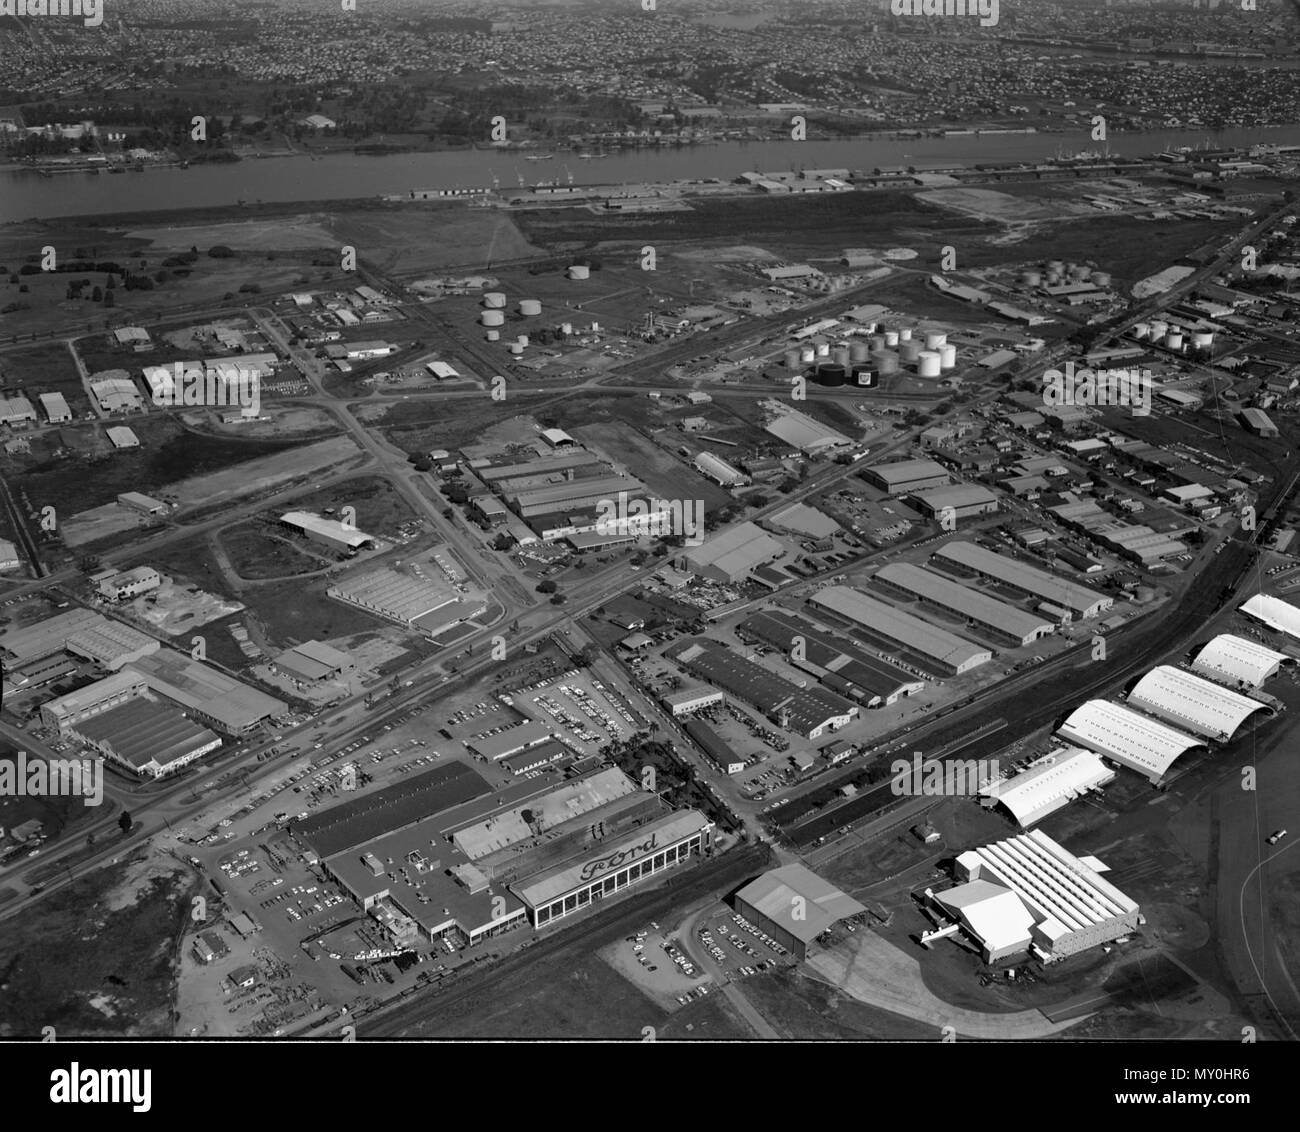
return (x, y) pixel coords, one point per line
(1127, 737)
(1030, 894)
(1238, 660)
(1049, 783)
(1192, 702)
(1275, 613)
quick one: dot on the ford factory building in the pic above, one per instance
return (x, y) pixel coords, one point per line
(576, 885)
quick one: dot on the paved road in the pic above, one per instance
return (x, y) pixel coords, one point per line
(705, 962)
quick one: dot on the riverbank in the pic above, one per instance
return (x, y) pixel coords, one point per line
(337, 178)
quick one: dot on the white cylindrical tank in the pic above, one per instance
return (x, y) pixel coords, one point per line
(566, 329)
(877, 342)
(494, 300)
(929, 364)
(891, 337)
(1142, 330)
(905, 335)
(1101, 279)
(494, 336)
(595, 328)
(935, 339)
(1203, 339)
(823, 349)
(580, 271)
(947, 356)
(1056, 266)
(492, 318)
(807, 354)
(1158, 329)
(530, 308)
(516, 348)
(522, 339)
(1174, 340)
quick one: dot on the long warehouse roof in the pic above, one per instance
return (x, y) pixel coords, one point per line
(1192, 702)
(1127, 736)
(903, 628)
(822, 904)
(1065, 893)
(1275, 613)
(978, 607)
(1040, 583)
(1238, 658)
(1050, 783)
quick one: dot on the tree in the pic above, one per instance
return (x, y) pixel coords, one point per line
(96, 296)
(124, 823)
(546, 586)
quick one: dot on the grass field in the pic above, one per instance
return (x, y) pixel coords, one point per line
(799, 1007)
(421, 426)
(95, 958)
(287, 611)
(379, 508)
(801, 226)
(168, 452)
(257, 554)
(658, 469)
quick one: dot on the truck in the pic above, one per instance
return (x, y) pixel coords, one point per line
(1274, 838)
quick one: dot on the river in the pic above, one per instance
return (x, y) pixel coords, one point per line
(26, 195)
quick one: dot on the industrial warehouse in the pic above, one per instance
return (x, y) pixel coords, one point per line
(810, 712)
(1048, 784)
(1002, 621)
(1078, 600)
(795, 906)
(442, 856)
(1029, 895)
(1237, 660)
(837, 662)
(934, 649)
(1127, 737)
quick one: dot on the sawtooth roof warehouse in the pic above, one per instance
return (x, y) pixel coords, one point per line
(443, 855)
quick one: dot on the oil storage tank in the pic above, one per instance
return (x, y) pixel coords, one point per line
(831, 374)
(947, 356)
(494, 300)
(909, 352)
(929, 364)
(530, 308)
(859, 351)
(492, 318)
(885, 361)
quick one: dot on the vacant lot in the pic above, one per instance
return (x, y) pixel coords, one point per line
(257, 553)
(95, 958)
(797, 227)
(167, 453)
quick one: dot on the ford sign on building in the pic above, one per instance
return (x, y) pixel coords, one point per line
(610, 867)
